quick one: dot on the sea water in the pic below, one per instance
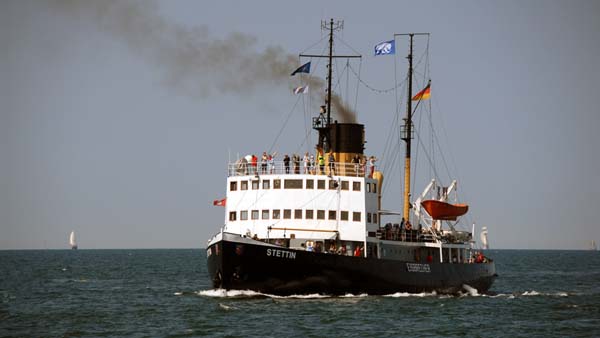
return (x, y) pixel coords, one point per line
(166, 293)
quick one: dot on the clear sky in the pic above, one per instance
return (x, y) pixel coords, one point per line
(117, 119)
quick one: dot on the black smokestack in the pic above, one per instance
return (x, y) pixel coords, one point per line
(192, 61)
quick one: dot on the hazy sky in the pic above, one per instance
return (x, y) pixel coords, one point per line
(117, 119)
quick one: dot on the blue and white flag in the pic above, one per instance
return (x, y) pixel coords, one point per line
(305, 68)
(386, 47)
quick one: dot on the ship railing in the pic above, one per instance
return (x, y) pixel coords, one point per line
(403, 235)
(242, 168)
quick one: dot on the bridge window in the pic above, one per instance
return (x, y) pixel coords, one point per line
(320, 214)
(355, 186)
(375, 218)
(320, 184)
(344, 215)
(356, 216)
(309, 214)
(276, 214)
(310, 184)
(266, 184)
(233, 186)
(254, 214)
(244, 215)
(333, 184)
(345, 185)
(276, 184)
(232, 216)
(244, 185)
(368, 217)
(374, 187)
(255, 184)
(332, 214)
(287, 213)
(265, 214)
(298, 214)
(292, 184)
(368, 187)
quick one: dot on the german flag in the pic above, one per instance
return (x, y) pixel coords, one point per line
(423, 94)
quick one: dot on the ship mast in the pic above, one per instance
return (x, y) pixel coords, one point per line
(320, 123)
(406, 131)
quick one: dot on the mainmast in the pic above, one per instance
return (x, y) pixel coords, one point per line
(406, 130)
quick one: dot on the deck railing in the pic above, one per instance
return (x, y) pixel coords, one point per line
(280, 168)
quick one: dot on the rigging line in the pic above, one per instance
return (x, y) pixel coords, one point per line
(284, 124)
(347, 45)
(314, 44)
(381, 91)
(357, 86)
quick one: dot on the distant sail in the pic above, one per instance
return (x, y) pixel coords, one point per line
(484, 239)
(72, 240)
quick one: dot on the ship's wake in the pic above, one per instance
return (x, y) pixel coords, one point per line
(468, 292)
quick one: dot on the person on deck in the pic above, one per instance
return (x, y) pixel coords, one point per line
(321, 160)
(331, 160)
(286, 163)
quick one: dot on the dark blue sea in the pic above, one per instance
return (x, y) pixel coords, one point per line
(165, 293)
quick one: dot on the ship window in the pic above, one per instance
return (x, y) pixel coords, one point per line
(355, 186)
(332, 214)
(374, 187)
(298, 214)
(345, 185)
(368, 217)
(333, 184)
(232, 215)
(321, 184)
(255, 184)
(233, 186)
(368, 187)
(309, 214)
(276, 184)
(244, 215)
(266, 184)
(254, 214)
(320, 214)
(344, 215)
(276, 213)
(375, 218)
(244, 185)
(292, 184)
(265, 214)
(287, 213)
(310, 184)
(356, 216)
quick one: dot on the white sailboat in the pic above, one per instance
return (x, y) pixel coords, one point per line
(484, 238)
(593, 245)
(72, 242)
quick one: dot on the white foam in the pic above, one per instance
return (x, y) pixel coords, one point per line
(530, 293)
(406, 294)
(178, 293)
(222, 293)
(226, 307)
(471, 290)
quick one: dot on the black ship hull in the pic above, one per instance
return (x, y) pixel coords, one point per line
(238, 263)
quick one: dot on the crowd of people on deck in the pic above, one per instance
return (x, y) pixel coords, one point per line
(308, 164)
(339, 250)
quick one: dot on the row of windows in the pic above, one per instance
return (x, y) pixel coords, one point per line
(300, 184)
(298, 214)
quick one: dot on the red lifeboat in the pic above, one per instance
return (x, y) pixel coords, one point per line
(444, 211)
